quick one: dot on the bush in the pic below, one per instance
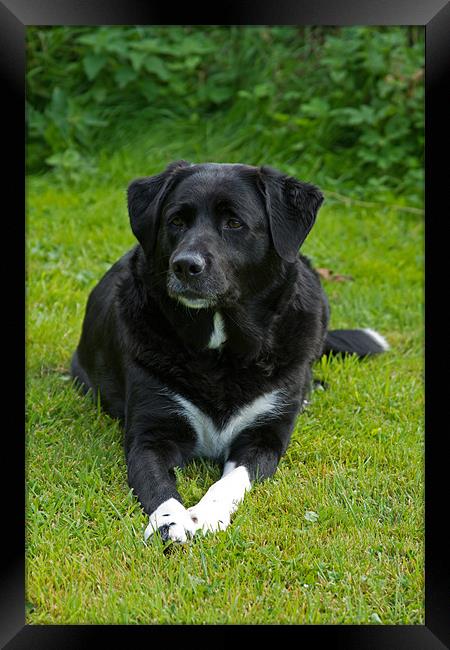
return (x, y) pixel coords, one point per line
(347, 101)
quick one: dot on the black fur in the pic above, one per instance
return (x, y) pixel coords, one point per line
(245, 225)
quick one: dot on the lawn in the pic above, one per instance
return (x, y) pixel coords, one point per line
(337, 536)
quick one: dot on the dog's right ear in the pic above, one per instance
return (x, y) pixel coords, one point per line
(144, 199)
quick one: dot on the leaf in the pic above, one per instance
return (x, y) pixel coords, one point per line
(192, 62)
(315, 107)
(92, 64)
(59, 100)
(338, 76)
(328, 274)
(311, 516)
(244, 94)
(149, 89)
(262, 90)
(218, 95)
(281, 117)
(157, 67)
(137, 59)
(124, 75)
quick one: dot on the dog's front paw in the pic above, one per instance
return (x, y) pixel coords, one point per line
(210, 516)
(172, 521)
(213, 512)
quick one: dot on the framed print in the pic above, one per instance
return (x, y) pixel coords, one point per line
(345, 545)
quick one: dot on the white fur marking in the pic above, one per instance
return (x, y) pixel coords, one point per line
(201, 303)
(173, 514)
(213, 442)
(214, 510)
(376, 336)
(229, 466)
(218, 335)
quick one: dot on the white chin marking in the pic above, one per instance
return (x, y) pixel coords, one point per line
(173, 514)
(201, 303)
(376, 336)
(213, 512)
(218, 335)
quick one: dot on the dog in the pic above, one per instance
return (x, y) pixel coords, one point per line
(201, 339)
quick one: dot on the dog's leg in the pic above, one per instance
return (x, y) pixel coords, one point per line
(151, 475)
(157, 440)
(213, 511)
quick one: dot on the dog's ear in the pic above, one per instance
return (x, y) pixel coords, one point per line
(292, 208)
(144, 199)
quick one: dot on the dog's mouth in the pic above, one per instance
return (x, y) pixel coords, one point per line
(201, 293)
(192, 299)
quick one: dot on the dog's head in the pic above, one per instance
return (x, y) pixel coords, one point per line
(213, 231)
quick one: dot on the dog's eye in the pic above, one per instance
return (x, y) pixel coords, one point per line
(234, 224)
(177, 221)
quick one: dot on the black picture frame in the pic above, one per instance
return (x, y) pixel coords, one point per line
(434, 15)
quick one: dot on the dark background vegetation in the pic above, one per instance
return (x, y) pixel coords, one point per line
(343, 104)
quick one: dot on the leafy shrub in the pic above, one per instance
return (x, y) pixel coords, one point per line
(84, 81)
(347, 101)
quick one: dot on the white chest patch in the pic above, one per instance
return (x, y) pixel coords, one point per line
(218, 335)
(213, 442)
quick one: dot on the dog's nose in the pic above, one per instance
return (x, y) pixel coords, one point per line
(186, 265)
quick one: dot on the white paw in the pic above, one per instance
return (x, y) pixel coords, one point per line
(210, 516)
(214, 510)
(173, 522)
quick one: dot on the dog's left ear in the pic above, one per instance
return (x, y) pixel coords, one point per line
(292, 208)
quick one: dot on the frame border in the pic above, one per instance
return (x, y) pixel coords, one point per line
(434, 15)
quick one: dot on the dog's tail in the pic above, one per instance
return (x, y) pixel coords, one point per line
(362, 342)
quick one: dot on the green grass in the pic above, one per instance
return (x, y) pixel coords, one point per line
(335, 537)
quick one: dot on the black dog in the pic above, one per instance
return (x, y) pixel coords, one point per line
(202, 337)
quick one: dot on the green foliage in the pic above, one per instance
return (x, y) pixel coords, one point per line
(346, 102)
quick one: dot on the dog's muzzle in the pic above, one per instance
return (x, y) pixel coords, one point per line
(187, 280)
